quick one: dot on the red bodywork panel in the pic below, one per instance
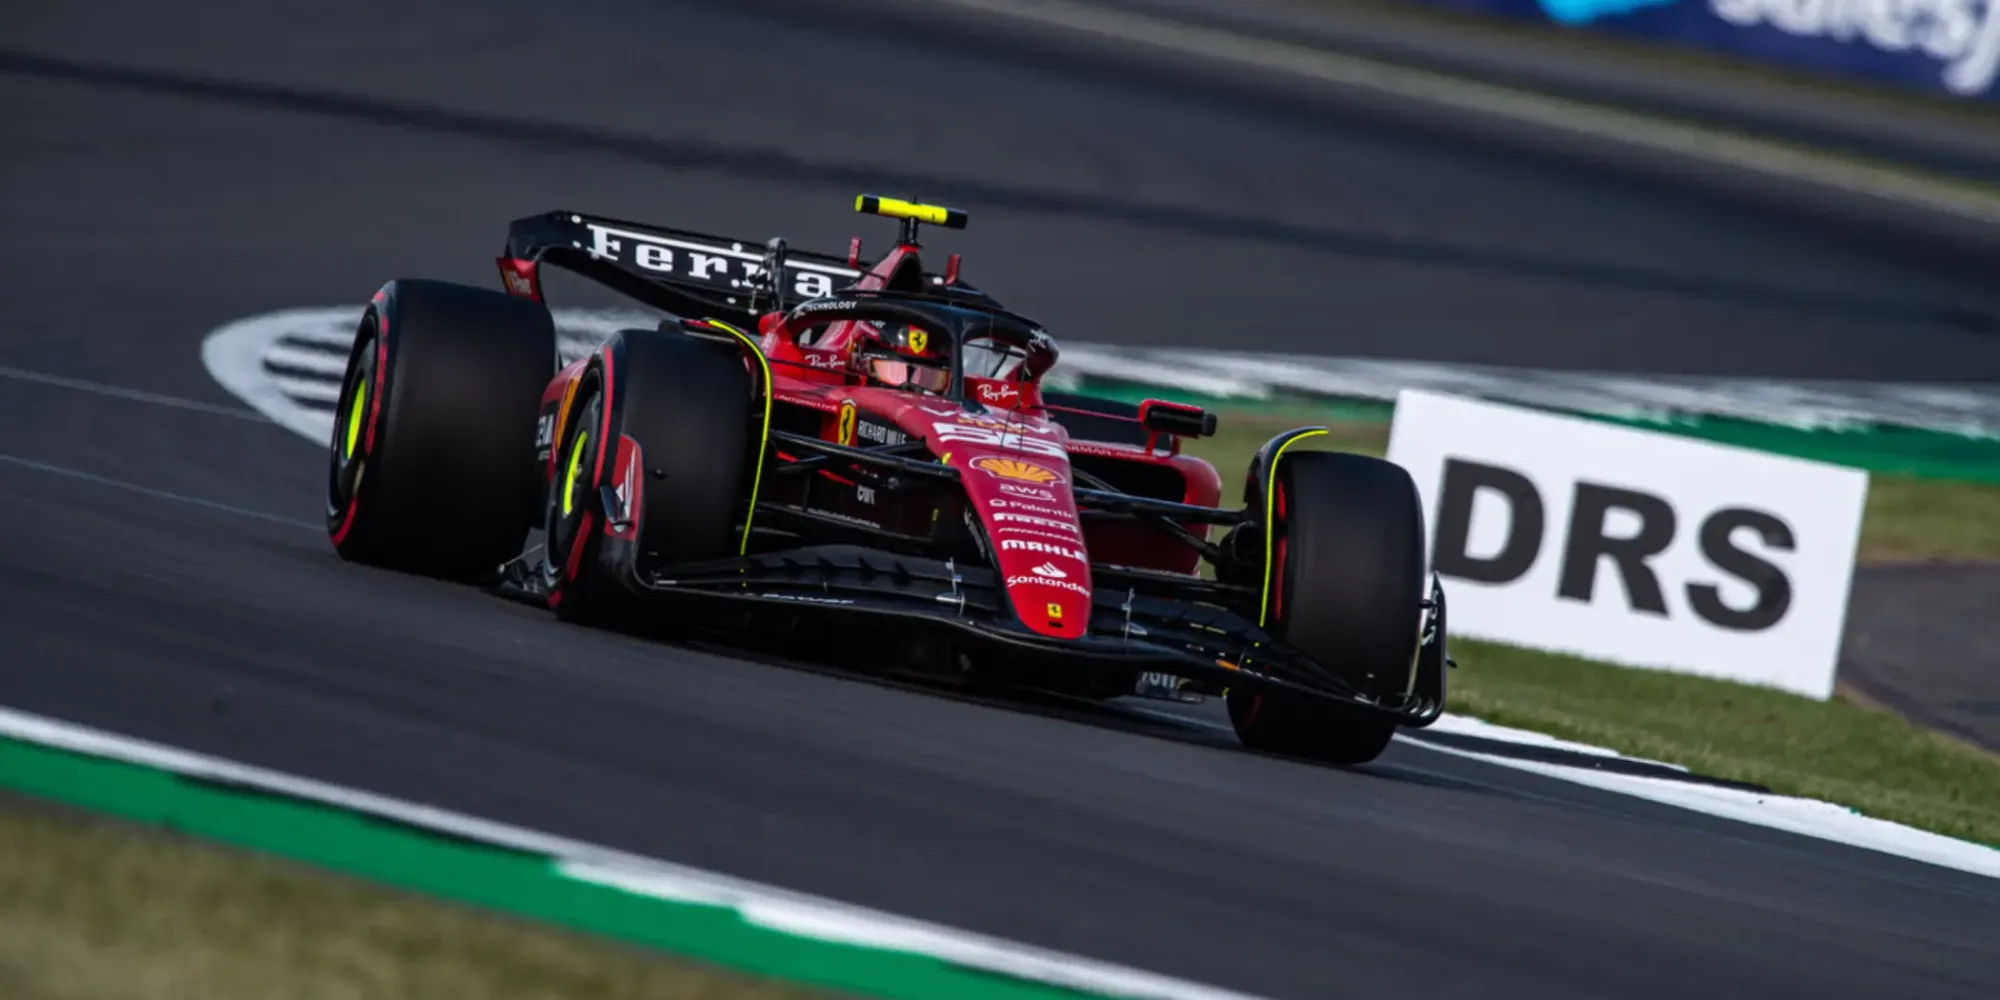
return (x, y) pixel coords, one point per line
(1014, 459)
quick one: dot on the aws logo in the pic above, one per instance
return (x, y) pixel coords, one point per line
(1586, 11)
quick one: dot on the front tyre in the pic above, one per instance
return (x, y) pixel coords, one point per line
(1346, 588)
(669, 424)
(431, 462)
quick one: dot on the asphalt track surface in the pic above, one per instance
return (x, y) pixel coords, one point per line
(1920, 641)
(161, 573)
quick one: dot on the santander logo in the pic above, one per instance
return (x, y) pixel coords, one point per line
(1051, 571)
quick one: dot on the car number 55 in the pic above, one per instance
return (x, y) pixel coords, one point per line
(999, 439)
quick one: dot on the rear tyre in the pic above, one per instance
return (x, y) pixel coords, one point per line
(431, 464)
(687, 405)
(1346, 588)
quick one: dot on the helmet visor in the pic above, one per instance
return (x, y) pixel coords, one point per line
(900, 373)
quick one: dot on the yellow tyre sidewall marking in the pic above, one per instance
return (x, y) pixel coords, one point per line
(764, 434)
(575, 467)
(1271, 528)
(354, 418)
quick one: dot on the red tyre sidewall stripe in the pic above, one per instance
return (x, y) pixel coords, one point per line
(605, 433)
(574, 561)
(381, 381)
(346, 522)
(1278, 564)
(376, 385)
(1278, 586)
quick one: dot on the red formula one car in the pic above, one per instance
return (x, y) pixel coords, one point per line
(863, 455)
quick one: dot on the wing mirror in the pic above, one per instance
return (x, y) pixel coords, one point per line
(1179, 419)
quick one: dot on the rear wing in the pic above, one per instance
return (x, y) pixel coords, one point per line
(685, 273)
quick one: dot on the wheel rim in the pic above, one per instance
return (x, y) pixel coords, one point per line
(347, 455)
(575, 467)
(570, 488)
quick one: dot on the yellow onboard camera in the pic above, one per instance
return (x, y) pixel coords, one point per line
(911, 215)
(910, 211)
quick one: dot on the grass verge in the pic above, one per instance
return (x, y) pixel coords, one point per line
(92, 908)
(1836, 750)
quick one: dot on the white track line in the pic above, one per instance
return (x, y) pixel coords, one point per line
(234, 355)
(318, 362)
(135, 395)
(182, 498)
(1806, 817)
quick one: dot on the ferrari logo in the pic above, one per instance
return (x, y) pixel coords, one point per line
(845, 433)
(1055, 612)
(1017, 470)
(920, 341)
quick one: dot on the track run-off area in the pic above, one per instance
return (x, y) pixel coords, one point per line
(166, 581)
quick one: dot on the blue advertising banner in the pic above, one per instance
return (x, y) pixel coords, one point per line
(1943, 46)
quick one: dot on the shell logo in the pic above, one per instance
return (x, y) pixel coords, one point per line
(1017, 470)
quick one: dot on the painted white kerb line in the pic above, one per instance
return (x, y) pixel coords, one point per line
(760, 905)
(301, 354)
(1549, 112)
(234, 355)
(1808, 817)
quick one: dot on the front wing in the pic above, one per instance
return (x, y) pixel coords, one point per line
(850, 590)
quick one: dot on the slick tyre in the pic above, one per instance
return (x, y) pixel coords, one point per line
(1346, 588)
(692, 411)
(431, 465)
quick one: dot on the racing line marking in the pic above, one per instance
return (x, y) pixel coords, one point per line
(154, 399)
(119, 484)
(135, 395)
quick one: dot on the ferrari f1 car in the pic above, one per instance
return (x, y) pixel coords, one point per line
(863, 454)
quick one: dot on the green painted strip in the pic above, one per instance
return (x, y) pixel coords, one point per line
(1879, 448)
(1346, 410)
(518, 882)
(1902, 451)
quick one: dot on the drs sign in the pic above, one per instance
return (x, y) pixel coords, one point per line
(1636, 547)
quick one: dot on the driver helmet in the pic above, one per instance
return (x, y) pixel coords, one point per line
(902, 356)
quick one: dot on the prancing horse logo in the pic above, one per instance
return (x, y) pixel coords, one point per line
(846, 424)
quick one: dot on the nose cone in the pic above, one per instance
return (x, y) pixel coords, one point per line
(1050, 594)
(1030, 516)
(1016, 476)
